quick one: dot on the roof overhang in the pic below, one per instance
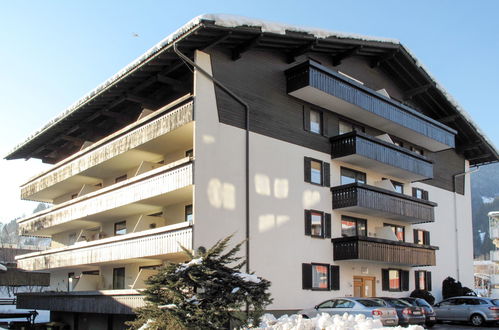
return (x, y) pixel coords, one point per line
(240, 34)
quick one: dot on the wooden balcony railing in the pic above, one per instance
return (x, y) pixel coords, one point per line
(363, 150)
(370, 200)
(156, 182)
(158, 242)
(159, 123)
(317, 84)
(383, 251)
(104, 302)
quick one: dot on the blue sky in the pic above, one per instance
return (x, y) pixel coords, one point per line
(54, 52)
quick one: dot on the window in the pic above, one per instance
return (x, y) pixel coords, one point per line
(420, 193)
(120, 228)
(399, 231)
(317, 172)
(421, 237)
(347, 127)
(417, 150)
(398, 186)
(118, 278)
(398, 143)
(353, 226)
(72, 280)
(352, 176)
(188, 213)
(422, 279)
(327, 304)
(120, 178)
(317, 224)
(320, 277)
(343, 303)
(315, 121)
(189, 153)
(395, 280)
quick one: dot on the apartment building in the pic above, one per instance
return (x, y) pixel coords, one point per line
(494, 255)
(338, 157)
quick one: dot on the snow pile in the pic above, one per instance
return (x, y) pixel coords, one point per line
(325, 321)
(193, 262)
(248, 277)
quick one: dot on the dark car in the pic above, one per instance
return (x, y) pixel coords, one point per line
(407, 313)
(476, 310)
(430, 315)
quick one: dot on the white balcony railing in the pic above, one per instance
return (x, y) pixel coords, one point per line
(164, 120)
(150, 184)
(158, 242)
(493, 229)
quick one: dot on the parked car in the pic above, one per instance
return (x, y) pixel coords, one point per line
(476, 310)
(350, 305)
(407, 313)
(429, 313)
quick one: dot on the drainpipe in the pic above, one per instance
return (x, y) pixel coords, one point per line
(456, 230)
(247, 115)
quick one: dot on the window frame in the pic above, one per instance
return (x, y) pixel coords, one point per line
(321, 121)
(417, 150)
(353, 126)
(322, 225)
(189, 153)
(117, 224)
(426, 236)
(424, 193)
(325, 223)
(395, 227)
(356, 173)
(121, 178)
(356, 220)
(426, 276)
(328, 277)
(397, 184)
(324, 173)
(186, 212)
(115, 276)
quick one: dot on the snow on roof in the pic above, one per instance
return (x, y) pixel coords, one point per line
(494, 214)
(232, 21)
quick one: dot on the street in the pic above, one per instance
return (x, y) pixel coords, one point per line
(459, 326)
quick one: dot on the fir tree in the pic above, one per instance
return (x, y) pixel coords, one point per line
(204, 293)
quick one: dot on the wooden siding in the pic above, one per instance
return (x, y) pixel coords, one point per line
(383, 251)
(370, 200)
(330, 82)
(149, 243)
(112, 146)
(105, 302)
(357, 143)
(154, 183)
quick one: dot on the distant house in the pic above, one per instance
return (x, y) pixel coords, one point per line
(338, 157)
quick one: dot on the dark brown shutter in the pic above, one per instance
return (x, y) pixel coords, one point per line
(404, 280)
(385, 280)
(306, 118)
(327, 225)
(428, 281)
(415, 231)
(426, 237)
(425, 195)
(414, 192)
(416, 280)
(325, 125)
(326, 174)
(308, 168)
(308, 222)
(306, 276)
(334, 275)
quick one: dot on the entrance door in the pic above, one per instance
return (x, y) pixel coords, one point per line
(364, 286)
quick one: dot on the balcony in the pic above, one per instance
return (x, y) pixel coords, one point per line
(145, 140)
(158, 243)
(369, 152)
(369, 200)
(383, 251)
(105, 302)
(138, 195)
(328, 89)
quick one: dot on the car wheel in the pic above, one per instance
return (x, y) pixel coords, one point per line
(305, 316)
(477, 320)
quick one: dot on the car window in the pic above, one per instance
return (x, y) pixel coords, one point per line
(448, 302)
(327, 304)
(381, 302)
(397, 302)
(369, 303)
(495, 302)
(474, 302)
(422, 303)
(343, 303)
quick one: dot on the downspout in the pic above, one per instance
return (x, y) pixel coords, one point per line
(247, 115)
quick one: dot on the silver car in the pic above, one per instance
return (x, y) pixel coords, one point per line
(365, 306)
(476, 310)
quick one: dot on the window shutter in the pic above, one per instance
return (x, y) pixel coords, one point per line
(425, 195)
(325, 124)
(426, 237)
(404, 279)
(306, 276)
(326, 174)
(306, 118)
(335, 277)
(327, 225)
(414, 192)
(416, 279)
(385, 280)
(308, 222)
(308, 168)
(415, 232)
(428, 281)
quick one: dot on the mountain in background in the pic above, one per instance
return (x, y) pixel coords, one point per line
(484, 199)
(9, 233)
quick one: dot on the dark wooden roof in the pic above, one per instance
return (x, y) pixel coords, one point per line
(144, 84)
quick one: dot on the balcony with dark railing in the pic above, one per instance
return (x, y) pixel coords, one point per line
(357, 248)
(316, 84)
(369, 200)
(366, 151)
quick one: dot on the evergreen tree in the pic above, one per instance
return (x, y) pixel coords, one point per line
(204, 293)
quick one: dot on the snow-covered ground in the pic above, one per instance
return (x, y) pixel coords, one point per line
(325, 322)
(43, 316)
